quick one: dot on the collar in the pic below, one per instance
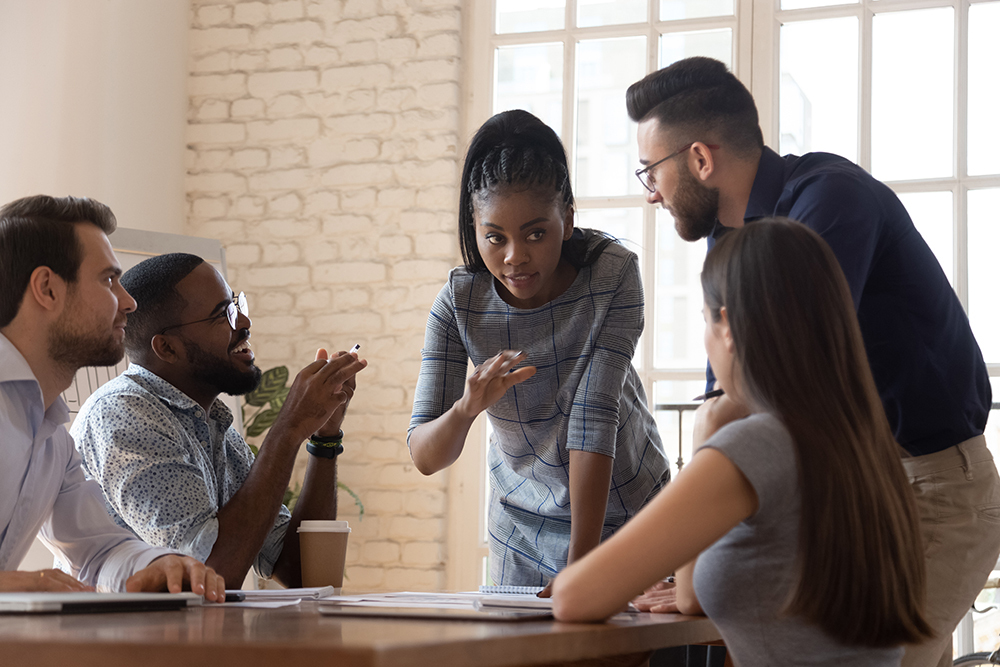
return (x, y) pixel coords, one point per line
(768, 185)
(15, 368)
(173, 396)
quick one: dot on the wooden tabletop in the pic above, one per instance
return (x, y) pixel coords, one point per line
(299, 636)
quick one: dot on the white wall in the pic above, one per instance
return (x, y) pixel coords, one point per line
(93, 97)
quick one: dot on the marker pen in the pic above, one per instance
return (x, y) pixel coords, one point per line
(715, 393)
(355, 348)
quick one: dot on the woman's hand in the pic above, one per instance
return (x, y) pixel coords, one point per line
(491, 380)
(715, 413)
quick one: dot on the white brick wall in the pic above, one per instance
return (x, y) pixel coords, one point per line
(323, 139)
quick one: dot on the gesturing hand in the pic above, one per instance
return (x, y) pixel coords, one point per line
(318, 392)
(491, 380)
(346, 393)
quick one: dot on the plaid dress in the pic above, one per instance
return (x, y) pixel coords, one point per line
(586, 395)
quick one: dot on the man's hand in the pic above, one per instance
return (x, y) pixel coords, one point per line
(660, 598)
(336, 420)
(491, 380)
(54, 581)
(172, 571)
(318, 393)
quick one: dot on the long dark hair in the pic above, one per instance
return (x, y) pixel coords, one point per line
(799, 355)
(516, 149)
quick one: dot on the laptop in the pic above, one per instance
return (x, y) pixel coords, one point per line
(89, 603)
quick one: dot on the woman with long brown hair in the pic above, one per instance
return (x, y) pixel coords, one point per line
(793, 528)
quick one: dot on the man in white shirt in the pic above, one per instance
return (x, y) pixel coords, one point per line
(62, 308)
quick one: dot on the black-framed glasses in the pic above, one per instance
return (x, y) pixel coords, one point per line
(233, 309)
(645, 176)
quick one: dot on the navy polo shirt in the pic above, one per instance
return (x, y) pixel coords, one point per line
(927, 365)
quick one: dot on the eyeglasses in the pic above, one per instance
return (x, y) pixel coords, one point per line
(233, 308)
(646, 177)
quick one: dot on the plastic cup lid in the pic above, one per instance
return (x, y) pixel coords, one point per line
(324, 527)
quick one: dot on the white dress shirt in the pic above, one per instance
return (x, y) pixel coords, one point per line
(43, 488)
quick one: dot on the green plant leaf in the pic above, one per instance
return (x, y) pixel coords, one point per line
(261, 422)
(278, 401)
(253, 448)
(271, 383)
(357, 499)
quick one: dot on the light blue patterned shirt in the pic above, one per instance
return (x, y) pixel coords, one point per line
(43, 490)
(166, 470)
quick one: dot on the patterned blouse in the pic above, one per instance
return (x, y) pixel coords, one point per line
(586, 395)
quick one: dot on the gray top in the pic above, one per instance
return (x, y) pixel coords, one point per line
(744, 580)
(165, 467)
(586, 395)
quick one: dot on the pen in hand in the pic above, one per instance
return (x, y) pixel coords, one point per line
(355, 348)
(715, 393)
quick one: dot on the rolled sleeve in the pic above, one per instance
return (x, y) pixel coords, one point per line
(595, 417)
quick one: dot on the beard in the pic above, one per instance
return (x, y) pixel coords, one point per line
(695, 207)
(222, 374)
(72, 348)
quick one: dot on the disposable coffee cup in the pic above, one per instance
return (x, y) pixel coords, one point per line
(323, 550)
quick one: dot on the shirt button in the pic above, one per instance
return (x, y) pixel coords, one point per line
(197, 413)
(204, 444)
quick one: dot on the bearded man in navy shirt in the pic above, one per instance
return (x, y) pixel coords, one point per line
(705, 161)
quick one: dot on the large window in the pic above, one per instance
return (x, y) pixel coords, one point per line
(906, 88)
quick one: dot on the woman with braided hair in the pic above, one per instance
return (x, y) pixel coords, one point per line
(574, 451)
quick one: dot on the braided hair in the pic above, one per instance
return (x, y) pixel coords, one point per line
(514, 149)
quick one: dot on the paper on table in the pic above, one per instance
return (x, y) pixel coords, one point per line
(289, 593)
(263, 604)
(407, 599)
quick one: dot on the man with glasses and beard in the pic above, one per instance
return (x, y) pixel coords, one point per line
(705, 162)
(161, 444)
(62, 308)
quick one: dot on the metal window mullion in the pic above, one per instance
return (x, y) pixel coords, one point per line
(569, 104)
(961, 191)
(763, 82)
(865, 76)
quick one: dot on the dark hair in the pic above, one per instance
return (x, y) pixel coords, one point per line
(39, 231)
(701, 100)
(516, 149)
(799, 355)
(153, 285)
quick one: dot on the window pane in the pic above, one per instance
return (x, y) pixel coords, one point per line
(984, 272)
(819, 87)
(913, 94)
(984, 93)
(678, 326)
(531, 78)
(802, 4)
(609, 12)
(605, 141)
(933, 215)
(673, 10)
(676, 429)
(716, 44)
(625, 224)
(530, 15)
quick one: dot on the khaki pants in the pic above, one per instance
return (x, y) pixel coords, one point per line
(958, 499)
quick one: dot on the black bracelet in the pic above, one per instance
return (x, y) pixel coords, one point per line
(325, 451)
(328, 439)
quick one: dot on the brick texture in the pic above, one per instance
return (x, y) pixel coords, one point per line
(323, 153)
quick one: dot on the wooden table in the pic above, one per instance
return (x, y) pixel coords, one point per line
(299, 636)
